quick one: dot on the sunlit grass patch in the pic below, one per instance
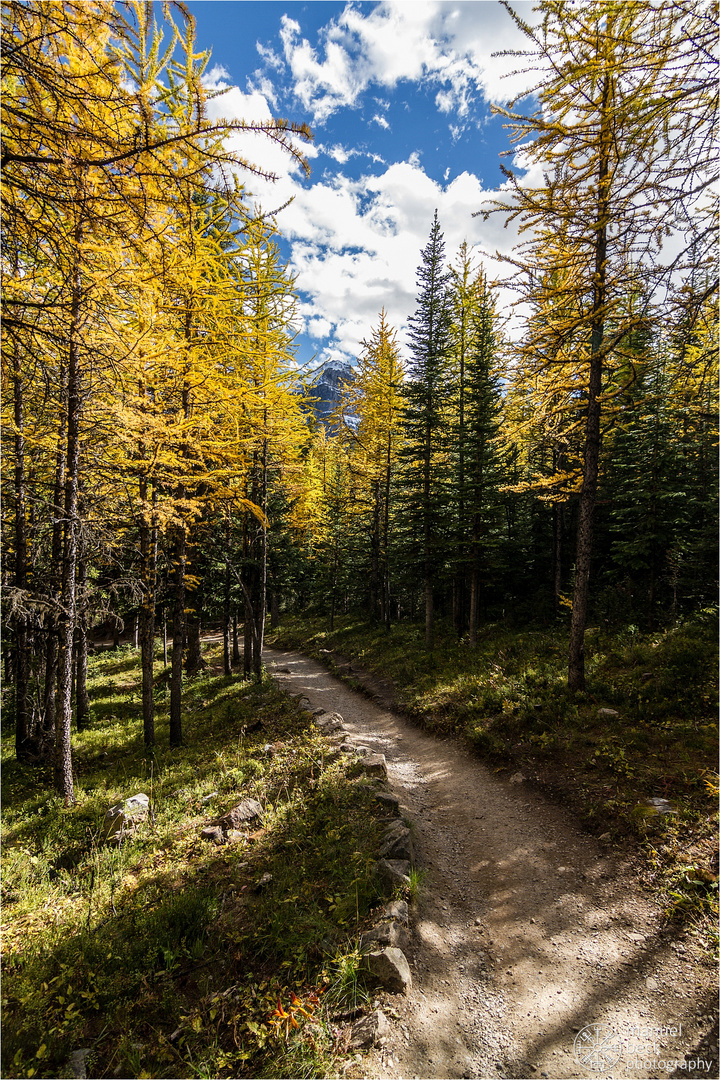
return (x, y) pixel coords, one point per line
(121, 948)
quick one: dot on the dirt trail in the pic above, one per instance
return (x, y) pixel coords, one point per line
(525, 932)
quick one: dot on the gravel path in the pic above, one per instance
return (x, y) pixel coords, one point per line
(535, 952)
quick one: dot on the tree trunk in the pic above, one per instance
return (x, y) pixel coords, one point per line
(247, 641)
(194, 662)
(386, 535)
(557, 554)
(51, 654)
(19, 622)
(235, 644)
(429, 614)
(334, 583)
(164, 624)
(375, 592)
(588, 496)
(259, 637)
(178, 637)
(247, 586)
(474, 582)
(148, 575)
(429, 611)
(82, 701)
(66, 620)
(227, 662)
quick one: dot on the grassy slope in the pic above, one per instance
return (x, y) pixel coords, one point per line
(509, 700)
(118, 949)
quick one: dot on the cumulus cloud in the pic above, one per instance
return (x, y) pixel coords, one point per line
(448, 45)
(356, 245)
(356, 242)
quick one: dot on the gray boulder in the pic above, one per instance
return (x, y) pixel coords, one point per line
(241, 816)
(393, 872)
(329, 723)
(398, 910)
(213, 834)
(369, 1031)
(387, 934)
(388, 801)
(398, 844)
(351, 748)
(375, 765)
(124, 817)
(390, 968)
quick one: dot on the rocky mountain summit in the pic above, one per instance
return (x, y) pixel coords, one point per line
(326, 387)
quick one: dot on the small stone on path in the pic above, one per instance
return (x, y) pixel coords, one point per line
(369, 1031)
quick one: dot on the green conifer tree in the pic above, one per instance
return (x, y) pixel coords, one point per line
(426, 391)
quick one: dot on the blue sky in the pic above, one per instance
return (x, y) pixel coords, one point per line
(397, 95)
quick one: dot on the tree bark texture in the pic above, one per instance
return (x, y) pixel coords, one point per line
(20, 629)
(66, 620)
(178, 637)
(588, 496)
(51, 655)
(148, 576)
(82, 700)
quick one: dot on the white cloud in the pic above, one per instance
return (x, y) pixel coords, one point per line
(270, 57)
(319, 328)
(356, 245)
(449, 45)
(321, 85)
(381, 121)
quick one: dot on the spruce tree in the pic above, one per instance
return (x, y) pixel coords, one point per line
(426, 394)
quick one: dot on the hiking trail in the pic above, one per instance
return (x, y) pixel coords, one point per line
(535, 952)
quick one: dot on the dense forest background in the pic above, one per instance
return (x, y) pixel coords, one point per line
(163, 468)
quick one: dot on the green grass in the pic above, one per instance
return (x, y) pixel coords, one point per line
(162, 956)
(508, 698)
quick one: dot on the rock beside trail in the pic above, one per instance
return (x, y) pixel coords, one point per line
(398, 843)
(391, 969)
(329, 723)
(369, 1031)
(607, 714)
(124, 817)
(388, 801)
(351, 748)
(387, 934)
(393, 872)
(398, 910)
(375, 765)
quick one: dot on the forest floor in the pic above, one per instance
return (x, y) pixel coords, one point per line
(536, 950)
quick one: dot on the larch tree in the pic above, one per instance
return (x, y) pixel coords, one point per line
(374, 400)
(94, 150)
(619, 191)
